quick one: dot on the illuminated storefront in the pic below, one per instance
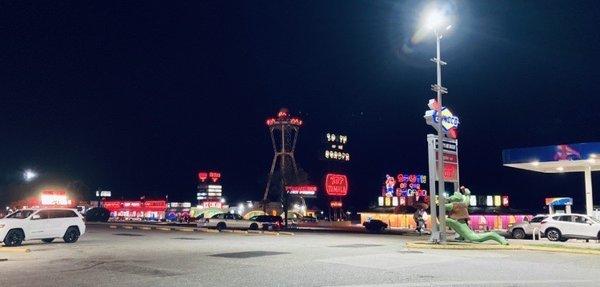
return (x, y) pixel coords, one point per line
(54, 197)
(136, 210)
(403, 190)
(402, 194)
(178, 211)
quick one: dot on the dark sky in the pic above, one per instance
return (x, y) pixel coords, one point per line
(137, 96)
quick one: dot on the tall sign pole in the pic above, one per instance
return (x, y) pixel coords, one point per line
(439, 89)
(442, 150)
(435, 232)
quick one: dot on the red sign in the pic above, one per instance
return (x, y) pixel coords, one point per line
(335, 204)
(144, 206)
(214, 176)
(450, 171)
(336, 184)
(202, 176)
(449, 157)
(209, 204)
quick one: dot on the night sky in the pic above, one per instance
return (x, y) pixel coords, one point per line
(138, 96)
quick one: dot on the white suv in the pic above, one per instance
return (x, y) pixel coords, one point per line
(223, 221)
(526, 228)
(43, 224)
(562, 227)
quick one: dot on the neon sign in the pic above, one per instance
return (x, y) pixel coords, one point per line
(303, 190)
(202, 176)
(52, 197)
(214, 176)
(335, 147)
(283, 117)
(404, 185)
(336, 184)
(335, 204)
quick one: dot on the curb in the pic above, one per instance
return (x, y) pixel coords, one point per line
(474, 246)
(202, 229)
(459, 246)
(563, 250)
(15, 249)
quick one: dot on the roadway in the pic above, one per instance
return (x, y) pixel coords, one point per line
(120, 257)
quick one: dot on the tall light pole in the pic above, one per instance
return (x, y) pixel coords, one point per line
(436, 20)
(440, 90)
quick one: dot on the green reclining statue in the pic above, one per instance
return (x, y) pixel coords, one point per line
(458, 214)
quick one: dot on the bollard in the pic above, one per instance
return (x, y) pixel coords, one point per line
(538, 232)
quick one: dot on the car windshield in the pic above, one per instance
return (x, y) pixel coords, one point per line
(21, 214)
(538, 219)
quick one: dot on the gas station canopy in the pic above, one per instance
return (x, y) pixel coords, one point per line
(581, 157)
(555, 158)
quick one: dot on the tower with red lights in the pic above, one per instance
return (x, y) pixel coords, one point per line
(284, 134)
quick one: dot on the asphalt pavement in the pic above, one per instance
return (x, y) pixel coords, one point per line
(120, 257)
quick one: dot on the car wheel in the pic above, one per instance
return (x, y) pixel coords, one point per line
(14, 238)
(518, 233)
(71, 235)
(553, 234)
(253, 226)
(47, 240)
(221, 226)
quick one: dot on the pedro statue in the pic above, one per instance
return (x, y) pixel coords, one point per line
(458, 214)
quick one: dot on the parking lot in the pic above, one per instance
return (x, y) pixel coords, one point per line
(121, 257)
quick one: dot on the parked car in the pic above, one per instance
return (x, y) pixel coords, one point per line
(268, 222)
(375, 225)
(525, 228)
(41, 224)
(562, 227)
(223, 221)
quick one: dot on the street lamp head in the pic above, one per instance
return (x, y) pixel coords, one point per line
(29, 175)
(435, 18)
